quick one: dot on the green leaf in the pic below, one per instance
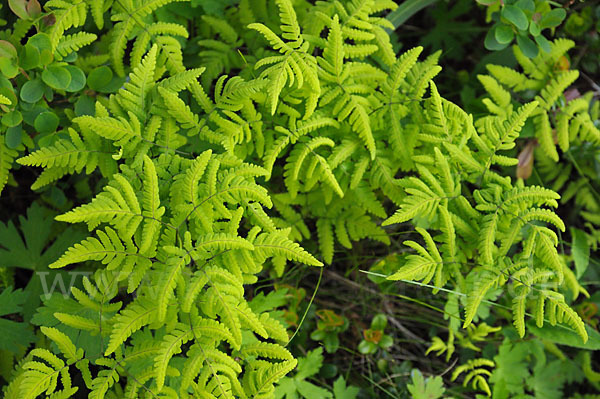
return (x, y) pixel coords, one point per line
(46, 122)
(57, 77)
(100, 77)
(311, 391)
(84, 106)
(379, 322)
(32, 91)
(311, 364)
(553, 18)
(77, 78)
(8, 59)
(12, 118)
(504, 34)
(19, 7)
(15, 335)
(42, 42)
(515, 16)
(563, 336)
(580, 250)
(491, 43)
(527, 46)
(528, 5)
(29, 57)
(13, 137)
(421, 388)
(342, 391)
(543, 43)
(534, 29)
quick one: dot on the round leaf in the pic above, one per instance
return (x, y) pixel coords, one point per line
(13, 137)
(543, 43)
(19, 7)
(84, 106)
(77, 78)
(32, 91)
(491, 43)
(527, 46)
(46, 122)
(504, 34)
(57, 77)
(12, 119)
(515, 16)
(534, 29)
(30, 57)
(33, 8)
(100, 77)
(42, 42)
(553, 18)
(528, 5)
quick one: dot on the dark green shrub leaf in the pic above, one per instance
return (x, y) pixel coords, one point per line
(84, 106)
(534, 29)
(32, 91)
(515, 16)
(504, 34)
(46, 122)
(553, 18)
(30, 57)
(57, 77)
(491, 43)
(19, 7)
(13, 136)
(527, 46)
(99, 78)
(77, 78)
(580, 250)
(8, 59)
(527, 5)
(44, 46)
(543, 43)
(564, 336)
(12, 118)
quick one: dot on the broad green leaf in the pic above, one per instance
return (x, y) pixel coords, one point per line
(32, 91)
(42, 42)
(84, 106)
(421, 388)
(580, 250)
(534, 29)
(311, 364)
(515, 16)
(100, 77)
(527, 5)
(14, 136)
(15, 335)
(57, 77)
(343, 391)
(77, 78)
(564, 336)
(19, 7)
(491, 43)
(46, 122)
(553, 18)
(8, 59)
(30, 57)
(504, 34)
(12, 119)
(543, 43)
(527, 46)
